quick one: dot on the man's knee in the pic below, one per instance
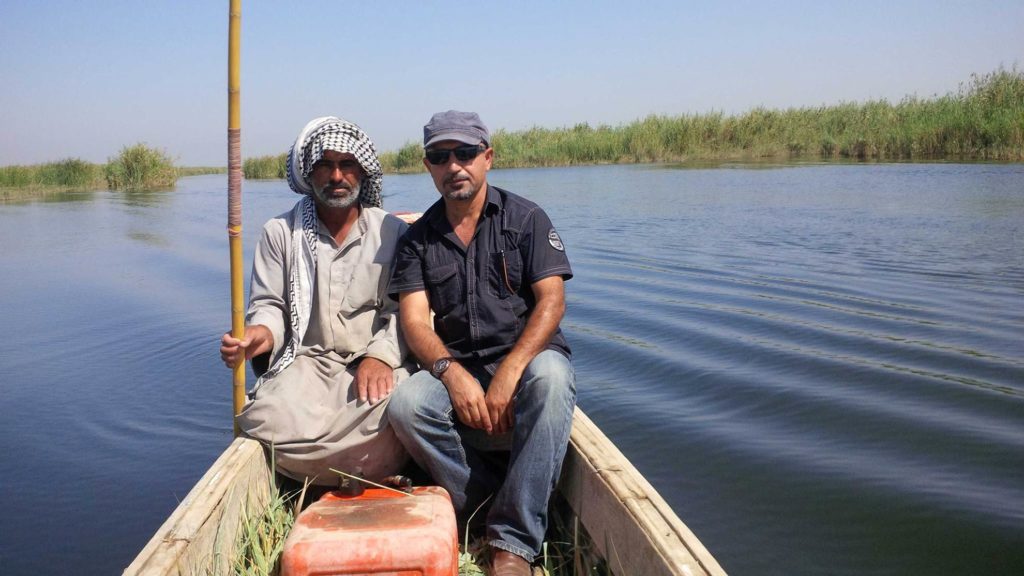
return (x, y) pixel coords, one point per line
(549, 378)
(402, 403)
(415, 399)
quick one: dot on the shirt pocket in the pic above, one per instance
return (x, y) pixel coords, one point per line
(505, 273)
(363, 290)
(444, 288)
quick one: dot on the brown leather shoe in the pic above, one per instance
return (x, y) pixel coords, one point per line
(509, 564)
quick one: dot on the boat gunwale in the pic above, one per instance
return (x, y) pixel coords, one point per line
(629, 523)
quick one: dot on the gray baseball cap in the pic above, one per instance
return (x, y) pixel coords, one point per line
(466, 127)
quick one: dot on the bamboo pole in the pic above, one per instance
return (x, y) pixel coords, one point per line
(235, 198)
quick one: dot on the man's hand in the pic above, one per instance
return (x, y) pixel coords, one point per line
(500, 405)
(467, 398)
(374, 379)
(257, 340)
(542, 323)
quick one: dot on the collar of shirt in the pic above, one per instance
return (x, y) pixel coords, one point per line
(354, 234)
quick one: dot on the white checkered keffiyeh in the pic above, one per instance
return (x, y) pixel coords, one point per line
(331, 133)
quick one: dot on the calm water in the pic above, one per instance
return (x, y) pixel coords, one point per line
(820, 367)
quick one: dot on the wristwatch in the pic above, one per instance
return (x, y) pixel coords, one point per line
(440, 365)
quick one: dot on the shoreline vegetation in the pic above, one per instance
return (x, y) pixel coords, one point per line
(136, 168)
(982, 121)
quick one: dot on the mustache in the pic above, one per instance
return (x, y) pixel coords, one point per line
(454, 177)
(337, 187)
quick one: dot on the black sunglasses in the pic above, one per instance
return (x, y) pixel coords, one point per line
(462, 154)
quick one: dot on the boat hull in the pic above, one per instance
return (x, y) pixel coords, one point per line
(625, 520)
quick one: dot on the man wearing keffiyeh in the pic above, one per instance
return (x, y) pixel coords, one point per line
(321, 328)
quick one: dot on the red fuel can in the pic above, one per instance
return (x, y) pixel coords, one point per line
(379, 532)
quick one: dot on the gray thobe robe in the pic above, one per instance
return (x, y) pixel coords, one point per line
(310, 412)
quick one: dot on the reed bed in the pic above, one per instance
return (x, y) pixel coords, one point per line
(183, 171)
(47, 180)
(265, 167)
(140, 167)
(407, 159)
(67, 174)
(983, 120)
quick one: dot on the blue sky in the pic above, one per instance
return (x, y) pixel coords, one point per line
(83, 79)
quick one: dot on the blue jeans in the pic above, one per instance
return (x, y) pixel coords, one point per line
(422, 416)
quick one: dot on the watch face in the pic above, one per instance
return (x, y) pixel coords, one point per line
(440, 366)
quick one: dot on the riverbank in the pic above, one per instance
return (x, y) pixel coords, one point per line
(982, 121)
(70, 176)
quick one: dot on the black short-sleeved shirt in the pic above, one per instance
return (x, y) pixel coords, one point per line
(481, 295)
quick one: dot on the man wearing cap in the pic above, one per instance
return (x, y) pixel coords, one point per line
(320, 317)
(490, 267)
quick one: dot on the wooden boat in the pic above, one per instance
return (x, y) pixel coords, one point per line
(625, 522)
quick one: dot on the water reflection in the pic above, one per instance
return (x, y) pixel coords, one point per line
(745, 164)
(145, 198)
(14, 197)
(149, 238)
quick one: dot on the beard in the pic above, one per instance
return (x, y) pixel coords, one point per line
(465, 192)
(336, 196)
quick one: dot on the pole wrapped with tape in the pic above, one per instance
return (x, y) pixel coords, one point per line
(235, 197)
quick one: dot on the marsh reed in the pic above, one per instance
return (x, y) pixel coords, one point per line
(407, 159)
(265, 167)
(140, 167)
(137, 167)
(982, 120)
(69, 173)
